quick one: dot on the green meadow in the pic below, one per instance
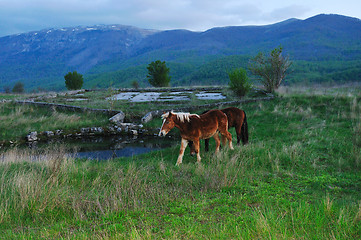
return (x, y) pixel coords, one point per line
(17, 120)
(298, 178)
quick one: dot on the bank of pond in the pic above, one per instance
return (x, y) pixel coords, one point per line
(101, 147)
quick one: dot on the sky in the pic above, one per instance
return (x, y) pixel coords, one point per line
(19, 16)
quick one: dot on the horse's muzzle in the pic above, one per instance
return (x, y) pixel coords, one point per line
(162, 134)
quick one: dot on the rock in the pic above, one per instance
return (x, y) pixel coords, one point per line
(118, 118)
(32, 136)
(59, 132)
(85, 130)
(134, 132)
(49, 133)
(148, 117)
(111, 130)
(130, 126)
(97, 130)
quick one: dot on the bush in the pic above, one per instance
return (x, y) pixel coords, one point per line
(239, 82)
(135, 84)
(73, 81)
(18, 87)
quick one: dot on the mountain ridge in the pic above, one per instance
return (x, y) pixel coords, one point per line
(46, 55)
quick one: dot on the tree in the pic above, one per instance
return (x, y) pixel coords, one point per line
(7, 89)
(135, 84)
(73, 81)
(18, 87)
(272, 69)
(239, 82)
(158, 74)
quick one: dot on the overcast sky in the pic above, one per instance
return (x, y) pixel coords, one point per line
(18, 16)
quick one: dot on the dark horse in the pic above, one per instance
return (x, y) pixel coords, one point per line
(237, 119)
(194, 127)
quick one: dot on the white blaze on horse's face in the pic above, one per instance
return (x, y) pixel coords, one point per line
(167, 125)
(162, 132)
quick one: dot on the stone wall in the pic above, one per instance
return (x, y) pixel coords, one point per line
(168, 89)
(118, 129)
(70, 107)
(150, 115)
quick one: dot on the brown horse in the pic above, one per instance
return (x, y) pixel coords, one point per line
(237, 119)
(194, 127)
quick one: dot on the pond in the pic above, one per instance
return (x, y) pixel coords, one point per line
(104, 148)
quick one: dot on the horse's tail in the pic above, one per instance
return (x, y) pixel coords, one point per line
(244, 130)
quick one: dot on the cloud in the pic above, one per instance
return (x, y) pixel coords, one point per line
(292, 11)
(26, 15)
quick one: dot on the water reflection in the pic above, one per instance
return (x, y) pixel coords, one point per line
(104, 148)
(109, 154)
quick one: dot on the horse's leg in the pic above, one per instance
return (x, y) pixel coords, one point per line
(206, 144)
(223, 129)
(184, 144)
(238, 128)
(230, 141)
(223, 140)
(244, 130)
(196, 148)
(218, 141)
(191, 146)
(227, 135)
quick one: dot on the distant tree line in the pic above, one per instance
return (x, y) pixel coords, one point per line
(199, 71)
(18, 88)
(271, 70)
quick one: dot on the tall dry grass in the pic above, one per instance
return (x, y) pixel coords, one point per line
(39, 184)
(32, 183)
(356, 125)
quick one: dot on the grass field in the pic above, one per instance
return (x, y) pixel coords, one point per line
(298, 178)
(17, 120)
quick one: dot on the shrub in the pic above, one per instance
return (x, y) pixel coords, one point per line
(135, 84)
(73, 81)
(7, 89)
(18, 87)
(239, 82)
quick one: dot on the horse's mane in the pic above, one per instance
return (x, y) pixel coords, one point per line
(180, 115)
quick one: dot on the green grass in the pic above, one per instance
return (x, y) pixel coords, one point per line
(18, 120)
(299, 178)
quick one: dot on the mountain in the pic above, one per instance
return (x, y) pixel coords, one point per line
(117, 54)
